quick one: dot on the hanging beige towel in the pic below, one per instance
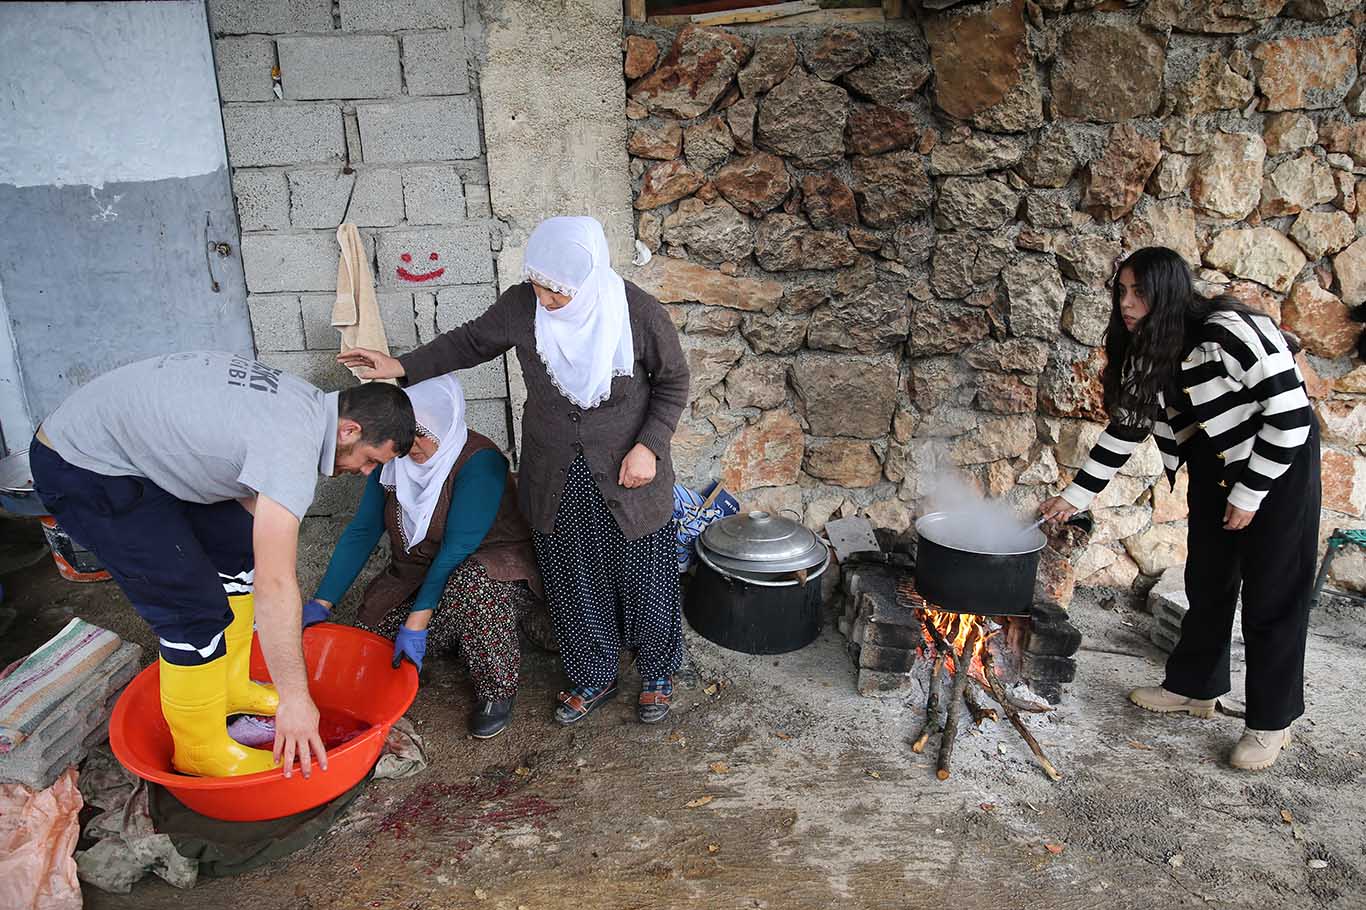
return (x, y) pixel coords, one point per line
(356, 313)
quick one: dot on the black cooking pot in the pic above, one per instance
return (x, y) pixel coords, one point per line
(757, 587)
(963, 580)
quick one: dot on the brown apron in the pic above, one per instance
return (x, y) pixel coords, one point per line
(505, 553)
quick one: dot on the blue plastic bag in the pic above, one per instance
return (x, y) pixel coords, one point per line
(693, 511)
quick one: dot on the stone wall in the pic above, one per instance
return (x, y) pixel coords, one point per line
(887, 247)
(372, 117)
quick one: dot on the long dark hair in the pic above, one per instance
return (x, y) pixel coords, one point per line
(1140, 364)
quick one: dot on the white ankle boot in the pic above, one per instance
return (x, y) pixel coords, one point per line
(1156, 698)
(1258, 748)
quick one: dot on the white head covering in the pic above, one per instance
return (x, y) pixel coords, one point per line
(439, 406)
(586, 342)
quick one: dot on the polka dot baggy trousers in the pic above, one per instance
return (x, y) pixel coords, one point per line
(607, 593)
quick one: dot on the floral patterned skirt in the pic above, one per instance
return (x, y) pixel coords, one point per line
(477, 617)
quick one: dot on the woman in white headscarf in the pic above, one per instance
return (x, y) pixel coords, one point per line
(462, 572)
(606, 383)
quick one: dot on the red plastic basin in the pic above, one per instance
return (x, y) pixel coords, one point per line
(349, 674)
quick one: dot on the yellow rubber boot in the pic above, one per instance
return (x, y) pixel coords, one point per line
(194, 703)
(245, 696)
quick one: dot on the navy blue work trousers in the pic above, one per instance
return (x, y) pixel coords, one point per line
(177, 561)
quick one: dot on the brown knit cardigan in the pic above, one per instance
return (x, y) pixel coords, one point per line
(643, 408)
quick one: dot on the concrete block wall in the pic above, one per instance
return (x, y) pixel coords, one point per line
(360, 111)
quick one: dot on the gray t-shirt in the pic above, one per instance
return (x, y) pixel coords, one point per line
(203, 426)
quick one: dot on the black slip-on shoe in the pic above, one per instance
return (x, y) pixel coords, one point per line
(491, 718)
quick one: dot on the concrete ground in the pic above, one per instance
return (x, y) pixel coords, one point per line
(774, 785)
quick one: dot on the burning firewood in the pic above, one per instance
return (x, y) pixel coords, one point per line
(974, 628)
(942, 652)
(962, 670)
(927, 621)
(962, 667)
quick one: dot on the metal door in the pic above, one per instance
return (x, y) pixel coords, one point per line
(118, 235)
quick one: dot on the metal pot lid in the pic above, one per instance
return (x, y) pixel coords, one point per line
(746, 573)
(761, 542)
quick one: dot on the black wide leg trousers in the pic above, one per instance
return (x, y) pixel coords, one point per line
(1274, 560)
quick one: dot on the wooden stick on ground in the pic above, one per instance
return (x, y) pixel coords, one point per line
(941, 651)
(961, 665)
(998, 692)
(980, 712)
(932, 704)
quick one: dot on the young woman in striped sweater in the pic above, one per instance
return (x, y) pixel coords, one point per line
(1216, 383)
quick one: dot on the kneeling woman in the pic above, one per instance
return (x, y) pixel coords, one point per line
(462, 570)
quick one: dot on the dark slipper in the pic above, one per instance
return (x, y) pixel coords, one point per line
(581, 701)
(653, 705)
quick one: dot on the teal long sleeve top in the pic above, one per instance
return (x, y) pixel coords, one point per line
(475, 497)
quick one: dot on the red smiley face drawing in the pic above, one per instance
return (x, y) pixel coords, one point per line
(418, 277)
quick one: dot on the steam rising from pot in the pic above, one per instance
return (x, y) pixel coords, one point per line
(975, 524)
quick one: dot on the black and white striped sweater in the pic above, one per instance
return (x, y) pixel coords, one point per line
(1243, 390)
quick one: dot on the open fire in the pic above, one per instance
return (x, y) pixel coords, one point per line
(960, 646)
(998, 655)
(956, 629)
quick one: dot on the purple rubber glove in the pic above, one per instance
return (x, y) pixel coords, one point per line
(315, 612)
(412, 644)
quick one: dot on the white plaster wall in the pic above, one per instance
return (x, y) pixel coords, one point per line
(554, 101)
(554, 124)
(56, 57)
